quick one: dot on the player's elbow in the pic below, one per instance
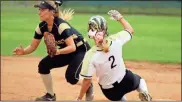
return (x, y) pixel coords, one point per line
(131, 30)
(73, 48)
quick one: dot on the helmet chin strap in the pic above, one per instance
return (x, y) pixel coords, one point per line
(99, 43)
(91, 33)
(98, 36)
(102, 45)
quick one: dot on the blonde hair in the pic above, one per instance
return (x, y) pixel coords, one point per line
(106, 47)
(65, 14)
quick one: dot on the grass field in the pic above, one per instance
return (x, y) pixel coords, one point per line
(156, 38)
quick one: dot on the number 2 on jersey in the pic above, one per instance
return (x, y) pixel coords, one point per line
(111, 58)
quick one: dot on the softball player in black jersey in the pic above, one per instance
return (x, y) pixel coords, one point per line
(71, 51)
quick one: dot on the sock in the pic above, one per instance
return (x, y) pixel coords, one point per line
(47, 80)
(124, 98)
(142, 86)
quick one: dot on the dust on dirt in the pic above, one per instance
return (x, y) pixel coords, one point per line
(20, 80)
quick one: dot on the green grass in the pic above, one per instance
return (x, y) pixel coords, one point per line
(156, 38)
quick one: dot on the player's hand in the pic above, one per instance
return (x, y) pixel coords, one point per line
(18, 51)
(78, 99)
(57, 52)
(115, 15)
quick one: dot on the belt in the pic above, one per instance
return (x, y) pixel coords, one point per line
(78, 44)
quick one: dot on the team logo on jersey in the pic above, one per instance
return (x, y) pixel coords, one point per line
(60, 42)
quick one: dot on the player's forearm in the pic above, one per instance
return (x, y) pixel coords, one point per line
(29, 49)
(32, 47)
(66, 50)
(85, 85)
(126, 25)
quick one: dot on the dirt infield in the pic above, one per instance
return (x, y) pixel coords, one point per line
(20, 80)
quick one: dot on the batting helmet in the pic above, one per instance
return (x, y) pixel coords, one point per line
(97, 24)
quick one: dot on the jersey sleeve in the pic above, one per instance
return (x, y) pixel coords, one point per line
(38, 33)
(65, 30)
(122, 36)
(88, 68)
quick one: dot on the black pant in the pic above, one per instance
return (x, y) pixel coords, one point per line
(129, 83)
(73, 60)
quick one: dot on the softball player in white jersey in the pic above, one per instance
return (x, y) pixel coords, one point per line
(105, 59)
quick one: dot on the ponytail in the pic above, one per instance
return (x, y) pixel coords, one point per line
(105, 46)
(65, 14)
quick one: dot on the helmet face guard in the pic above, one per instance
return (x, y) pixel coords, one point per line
(93, 33)
(97, 24)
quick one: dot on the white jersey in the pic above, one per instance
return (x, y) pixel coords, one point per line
(109, 67)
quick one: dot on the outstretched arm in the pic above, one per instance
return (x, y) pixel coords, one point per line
(124, 35)
(85, 85)
(126, 25)
(117, 16)
(29, 49)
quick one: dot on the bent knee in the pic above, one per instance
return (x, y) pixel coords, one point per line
(42, 69)
(72, 80)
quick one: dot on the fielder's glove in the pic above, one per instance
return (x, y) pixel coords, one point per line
(50, 44)
(115, 15)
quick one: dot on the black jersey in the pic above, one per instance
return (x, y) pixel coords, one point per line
(61, 31)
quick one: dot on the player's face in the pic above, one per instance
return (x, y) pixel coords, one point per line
(44, 14)
(99, 37)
